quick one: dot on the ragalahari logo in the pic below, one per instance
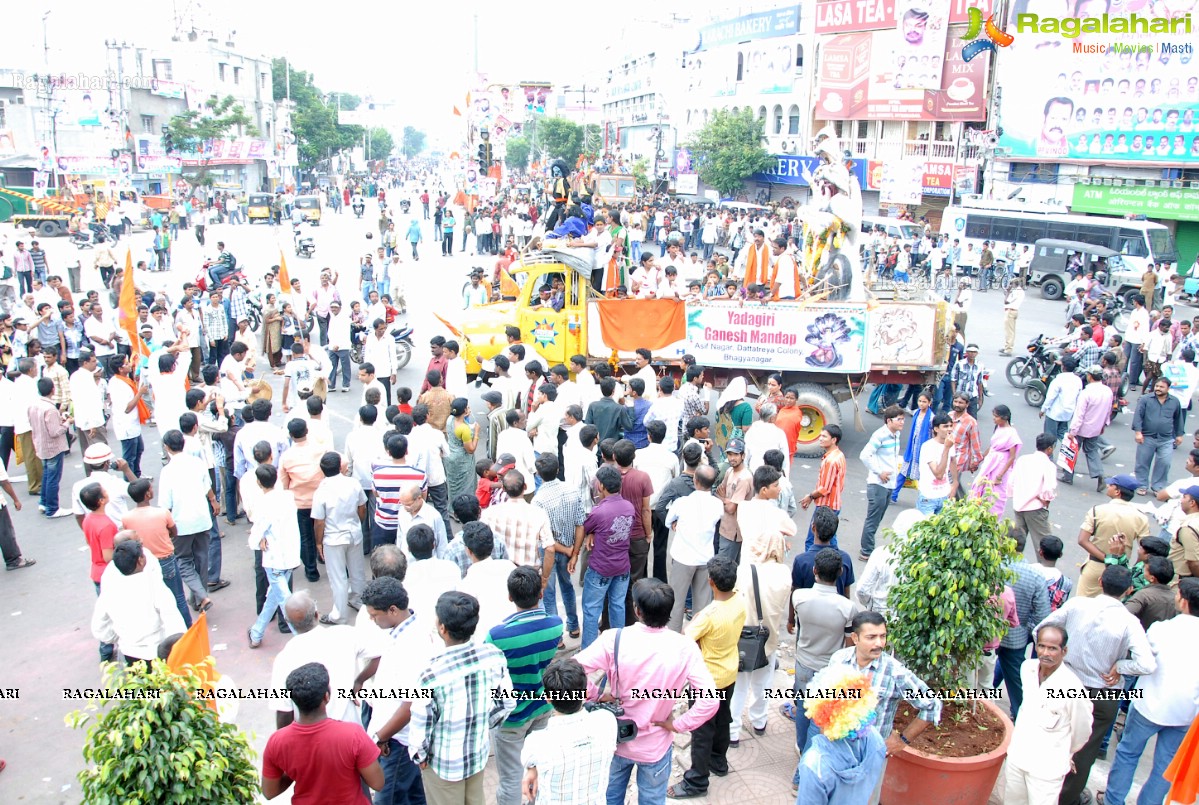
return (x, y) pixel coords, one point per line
(995, 35)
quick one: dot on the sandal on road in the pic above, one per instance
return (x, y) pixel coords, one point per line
(21, 563)
(684, 790)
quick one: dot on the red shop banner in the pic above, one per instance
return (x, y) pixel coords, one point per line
(841, 16)
(939, 176)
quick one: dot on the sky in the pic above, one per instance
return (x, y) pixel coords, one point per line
(417, 56)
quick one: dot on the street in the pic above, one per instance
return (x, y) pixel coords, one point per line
(50, 639)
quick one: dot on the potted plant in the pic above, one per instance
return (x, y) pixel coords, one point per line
(154, 743)
(944, 609)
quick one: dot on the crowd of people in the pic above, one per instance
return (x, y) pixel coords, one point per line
(518, 581)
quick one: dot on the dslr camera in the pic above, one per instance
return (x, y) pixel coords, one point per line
(626, 729)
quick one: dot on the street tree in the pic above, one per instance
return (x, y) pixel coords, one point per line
(413, 142)
(220, 118)
(381, 144)
(517, 155)
(559, 138)
(729, 149)
(314, 117)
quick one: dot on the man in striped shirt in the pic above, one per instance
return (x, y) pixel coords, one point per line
(830, 483)
(529, 638)
(389, 479)
(450, 730)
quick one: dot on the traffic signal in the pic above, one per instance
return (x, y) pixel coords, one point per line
(168, 142)
(483, 156)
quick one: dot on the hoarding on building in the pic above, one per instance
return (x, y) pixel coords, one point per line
(842, 16)
(794, 170)
(1172, 203)
(763, 25)
(859, 81)
(937, 176)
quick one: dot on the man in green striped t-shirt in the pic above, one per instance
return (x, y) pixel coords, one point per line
(529, 638)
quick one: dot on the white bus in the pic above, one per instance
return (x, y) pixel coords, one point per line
(1140, 242)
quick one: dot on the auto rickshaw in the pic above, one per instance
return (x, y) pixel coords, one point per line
(311, 205)
(258, 207)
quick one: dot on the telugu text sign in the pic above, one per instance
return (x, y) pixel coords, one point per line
(1173, 203)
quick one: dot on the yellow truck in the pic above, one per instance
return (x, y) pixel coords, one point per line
(828, 350)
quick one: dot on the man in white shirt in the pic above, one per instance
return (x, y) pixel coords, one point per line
(764, 435)
(101, 333)
(379, 350)
(338, 648)
(407, 645)
(486, 579)
(1135, 336)
(693, 519)
(339, 346)
(760, 517)
(545, 422)
(1053, 723)
(455, 370)
(1034, 486)
(645, 371)
(667, 409)
(338, 509)
(185, 488)
(515, 441)
(415, 510)
(97, 460)
(1168, 702)
(662, 466)
(135, 609)
(428, 576)
(364, 447)
(88, 400)
(170, 393)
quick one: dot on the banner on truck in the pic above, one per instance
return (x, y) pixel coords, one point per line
(783, 336)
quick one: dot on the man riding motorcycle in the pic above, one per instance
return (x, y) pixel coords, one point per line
(222, 267)
(358, 203)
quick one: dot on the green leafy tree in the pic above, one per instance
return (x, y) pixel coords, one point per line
(729, 149)
(413, 142)
(559, 138)
(945, 605)
(220, 118)
(381, 144)
(314, 117)
(641, 174)
(163, 747)
(518, 150)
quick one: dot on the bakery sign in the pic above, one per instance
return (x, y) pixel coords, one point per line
(841, 16)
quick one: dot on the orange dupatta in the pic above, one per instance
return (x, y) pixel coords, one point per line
(143, 410)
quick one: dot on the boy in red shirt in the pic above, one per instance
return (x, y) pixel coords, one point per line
(328, 760)
(488, 480)
(98, 530)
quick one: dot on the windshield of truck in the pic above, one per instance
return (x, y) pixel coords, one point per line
(1161, 244)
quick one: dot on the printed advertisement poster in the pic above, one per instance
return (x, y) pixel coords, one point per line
(918, 43)
(1174, 203)
(769, 66)
(786, 337)
(842, 16)
(861, 78)
(1101, 97)
(902, 181)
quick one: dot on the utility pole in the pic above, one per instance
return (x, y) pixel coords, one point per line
(287, 77)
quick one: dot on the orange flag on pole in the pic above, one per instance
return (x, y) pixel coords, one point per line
(284, 280)
(127, 309)
(457, 111)
(193, 649)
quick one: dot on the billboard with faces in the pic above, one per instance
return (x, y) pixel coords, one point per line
(1098, 97)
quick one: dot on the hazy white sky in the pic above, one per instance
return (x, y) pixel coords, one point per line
(417, 54)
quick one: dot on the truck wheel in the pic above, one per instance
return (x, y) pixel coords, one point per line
(1129, 294)
(48, 229)
(819, 410)
(1052, 288)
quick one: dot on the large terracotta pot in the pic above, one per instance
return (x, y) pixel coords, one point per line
(916, 778)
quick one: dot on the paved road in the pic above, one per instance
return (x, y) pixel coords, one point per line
(46, 610)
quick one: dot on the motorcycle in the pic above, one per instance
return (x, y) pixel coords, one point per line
(82, 240)
(1035, 364)
(204, 278)
(305, 244)
(403, 346)
(359, 209)
(255, 313)
(1037, 387)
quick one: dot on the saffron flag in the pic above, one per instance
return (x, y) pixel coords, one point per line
(127, 310)
(627, 324)
(457, 112)
(284, 279)
(457, 333)
(193, 649)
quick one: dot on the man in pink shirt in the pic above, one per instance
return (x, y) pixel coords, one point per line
(49, 429)
(649, 657)
(324, 296)
(300, 473)
(1092, 413)
(1034, 486)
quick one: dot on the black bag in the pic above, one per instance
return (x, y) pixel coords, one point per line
(751, 648)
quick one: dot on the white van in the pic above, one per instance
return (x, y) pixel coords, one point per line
(906, 231)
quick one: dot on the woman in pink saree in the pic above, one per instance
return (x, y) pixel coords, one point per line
(995, 471)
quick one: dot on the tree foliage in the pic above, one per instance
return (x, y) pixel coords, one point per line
(518, 150)
(413, 142)
(945, 605)
(729, 149)
(163, 749)
(381, 144)
(641, 174)
(221, 117)
(314, 117)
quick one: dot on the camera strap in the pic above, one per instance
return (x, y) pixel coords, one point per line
(616, 666)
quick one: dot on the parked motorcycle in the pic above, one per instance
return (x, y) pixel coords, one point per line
(1035, 364)
(403, 346)
(1036, 388)
(255, 313)
(305, 245)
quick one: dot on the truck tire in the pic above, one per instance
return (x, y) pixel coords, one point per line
(1129, 294)
(48, 229)
(1052, 288)
(819, 410)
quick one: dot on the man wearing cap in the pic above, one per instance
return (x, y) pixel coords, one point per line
(967, 379)
(1157, 426)
(338, 331)
(1092, 413)
(737, 486)
(1108, 532)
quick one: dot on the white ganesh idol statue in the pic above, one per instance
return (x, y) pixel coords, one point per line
(831, 223)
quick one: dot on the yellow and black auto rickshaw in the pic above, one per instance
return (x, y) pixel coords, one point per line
(311, 207)
(258, 207)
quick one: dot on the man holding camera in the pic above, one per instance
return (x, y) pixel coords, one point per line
(643, 668)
